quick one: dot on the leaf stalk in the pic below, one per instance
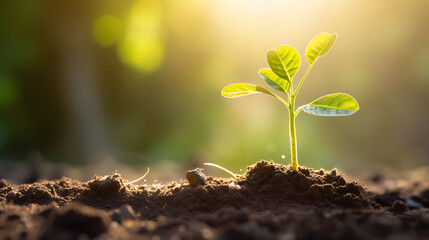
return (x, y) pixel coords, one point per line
(303, 79)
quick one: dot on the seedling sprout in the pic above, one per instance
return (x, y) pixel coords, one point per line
(284, 64)
(140, 178)
(222, 168)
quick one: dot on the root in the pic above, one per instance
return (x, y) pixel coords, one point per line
(140, 178)
(221, 168)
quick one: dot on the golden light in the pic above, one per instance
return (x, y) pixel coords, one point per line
(142, 46)
(107, 30)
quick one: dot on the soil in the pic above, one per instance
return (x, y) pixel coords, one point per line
(269, 201)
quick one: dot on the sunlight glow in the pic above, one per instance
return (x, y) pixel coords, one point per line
(142, 46)
(107, 30)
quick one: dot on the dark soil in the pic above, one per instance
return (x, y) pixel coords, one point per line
(268, 202)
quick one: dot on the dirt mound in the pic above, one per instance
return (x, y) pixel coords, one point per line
(269, 201)
(106, 185)
(275, 182)
(265, 185)
(42, 192)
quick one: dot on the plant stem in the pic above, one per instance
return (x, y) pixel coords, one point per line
(292, 134)
(292, 116)
(303, 79)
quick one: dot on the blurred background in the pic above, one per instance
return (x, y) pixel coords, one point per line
(109, 85)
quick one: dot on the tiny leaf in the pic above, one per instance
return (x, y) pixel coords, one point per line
(274, 81)
(319, 46)
(284, 61)
(337, 104)
(242, 89)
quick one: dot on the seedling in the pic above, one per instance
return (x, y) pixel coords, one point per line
(284, 64)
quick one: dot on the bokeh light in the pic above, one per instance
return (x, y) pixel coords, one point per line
(142, 46)
(9, 92)
(107, 30)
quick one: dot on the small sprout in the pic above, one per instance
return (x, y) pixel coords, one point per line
(140, 178)
(284, 64)
(222, 168)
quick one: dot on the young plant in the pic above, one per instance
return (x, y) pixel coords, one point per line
(284, 64)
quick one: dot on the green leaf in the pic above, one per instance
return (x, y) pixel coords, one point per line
(319, 46)
(284, 61)
(242, 89)
(275, 81)
(337, 104)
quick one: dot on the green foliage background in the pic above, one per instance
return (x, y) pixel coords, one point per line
(140, 81)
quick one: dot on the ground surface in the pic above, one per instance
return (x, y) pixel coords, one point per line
(269, 201)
